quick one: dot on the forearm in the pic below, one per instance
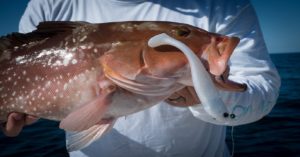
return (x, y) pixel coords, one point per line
(249, 106)
(249, 64)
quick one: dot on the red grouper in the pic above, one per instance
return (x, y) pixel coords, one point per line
(87, 75)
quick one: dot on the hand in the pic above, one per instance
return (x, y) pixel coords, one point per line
(15, 123)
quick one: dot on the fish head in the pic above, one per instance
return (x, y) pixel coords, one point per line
(130, 59)
(214, 50)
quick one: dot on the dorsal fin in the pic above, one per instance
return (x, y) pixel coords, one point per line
(58, 26)
(44, 30)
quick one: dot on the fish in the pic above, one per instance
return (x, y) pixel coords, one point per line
(87, 75)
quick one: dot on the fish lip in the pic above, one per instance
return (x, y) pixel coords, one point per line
(105, 121)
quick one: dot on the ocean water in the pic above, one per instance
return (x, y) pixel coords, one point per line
(276, 135)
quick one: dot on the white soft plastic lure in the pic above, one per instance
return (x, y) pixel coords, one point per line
(204, 87)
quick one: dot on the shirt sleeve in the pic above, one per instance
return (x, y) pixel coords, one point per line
(35, 12)
(249, 64)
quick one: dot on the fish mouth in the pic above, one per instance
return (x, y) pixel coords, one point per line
(202, 82)
(105, 121)
(217, 55)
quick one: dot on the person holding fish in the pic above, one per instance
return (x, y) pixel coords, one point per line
(131, 62)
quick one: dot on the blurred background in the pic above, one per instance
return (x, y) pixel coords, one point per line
(278, 134)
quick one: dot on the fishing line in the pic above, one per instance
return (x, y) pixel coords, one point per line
(232, 141)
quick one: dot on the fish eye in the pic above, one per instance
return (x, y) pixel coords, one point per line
(181, 31)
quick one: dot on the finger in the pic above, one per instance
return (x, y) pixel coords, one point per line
(14, 125)
(30, 119)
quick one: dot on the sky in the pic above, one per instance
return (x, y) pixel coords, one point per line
(279, 20)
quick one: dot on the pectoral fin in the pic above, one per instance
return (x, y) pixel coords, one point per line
(82, 139)
(88, 115)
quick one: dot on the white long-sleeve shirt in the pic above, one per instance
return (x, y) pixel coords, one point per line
(165, 130)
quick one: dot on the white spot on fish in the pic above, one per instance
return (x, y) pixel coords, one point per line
(57, 63)
(47, 52)
(74, 61)
(114, 44)
(65, 86)
(83, 47)
(28, 79)
(36, 78)
(24, 72)
(95, 50)
(13, 94)
(48, 84)
(66, 44)
(91, 45)
(74, 40)
(21, 60)
(67, 59)
(9, 78)
(75, 77)
(34, 109)
(83, 38)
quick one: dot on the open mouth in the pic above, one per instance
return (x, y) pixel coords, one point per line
(202, 82)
